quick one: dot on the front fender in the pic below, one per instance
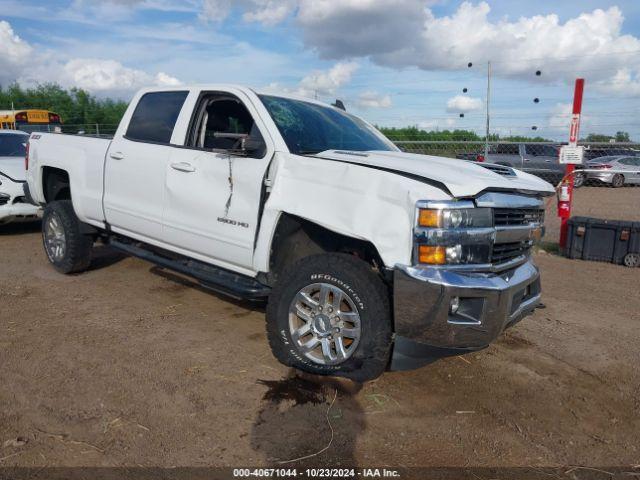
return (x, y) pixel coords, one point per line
(353, 200)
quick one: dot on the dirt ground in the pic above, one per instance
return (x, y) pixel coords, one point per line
(129, 365)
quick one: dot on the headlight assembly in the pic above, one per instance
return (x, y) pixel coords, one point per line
(455, 218)
(453, 233)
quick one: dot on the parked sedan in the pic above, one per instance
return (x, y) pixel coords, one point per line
(615, 170)
(13, 206)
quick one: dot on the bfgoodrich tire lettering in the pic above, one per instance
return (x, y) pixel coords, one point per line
(68, 250)
(368, 298)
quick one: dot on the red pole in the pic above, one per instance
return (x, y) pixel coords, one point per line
(565, 195)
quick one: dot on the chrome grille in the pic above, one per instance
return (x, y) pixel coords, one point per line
(503, 252)
(517, 216)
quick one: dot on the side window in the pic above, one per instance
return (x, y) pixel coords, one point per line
(507, 149)
(155, 116)
(223, 123)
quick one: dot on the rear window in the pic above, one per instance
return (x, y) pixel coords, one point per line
(155, 116)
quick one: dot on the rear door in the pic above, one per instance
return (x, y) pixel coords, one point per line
(135, 167)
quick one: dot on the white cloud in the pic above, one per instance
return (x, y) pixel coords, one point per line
(347, 28)
(463, 103)
(164, 80)
(14, 53)
(326, 82)
(267, 12)
(559, 120)
(319, 83)
(216, 10)
(406, 33)
(623, 82)
(371, 99)
(98, 75)
(19, 61)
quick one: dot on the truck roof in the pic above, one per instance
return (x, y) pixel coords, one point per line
(233, 87)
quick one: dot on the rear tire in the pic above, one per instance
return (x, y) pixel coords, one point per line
(340, 306)
(578, 180)
(66, 247)
(617, 181)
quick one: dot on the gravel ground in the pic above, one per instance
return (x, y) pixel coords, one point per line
(127, 365)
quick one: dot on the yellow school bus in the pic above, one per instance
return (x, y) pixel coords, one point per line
(30, 120)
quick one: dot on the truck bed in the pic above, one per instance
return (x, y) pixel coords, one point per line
(83, 157)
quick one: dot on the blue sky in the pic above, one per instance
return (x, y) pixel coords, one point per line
(395, 62)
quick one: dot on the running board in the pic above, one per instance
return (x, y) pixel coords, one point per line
(218, 279)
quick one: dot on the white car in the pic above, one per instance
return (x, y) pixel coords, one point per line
(13, 206)
(368, 256)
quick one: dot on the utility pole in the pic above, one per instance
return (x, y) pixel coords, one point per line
(486, 138)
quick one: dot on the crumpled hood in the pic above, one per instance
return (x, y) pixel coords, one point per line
(461, 177)
(13, 167)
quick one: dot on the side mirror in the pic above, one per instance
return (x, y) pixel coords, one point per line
(245, 143)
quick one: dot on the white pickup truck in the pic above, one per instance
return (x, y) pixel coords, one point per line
(369, 258)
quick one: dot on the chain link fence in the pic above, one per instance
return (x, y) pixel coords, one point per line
(614, 165)
(605, 164)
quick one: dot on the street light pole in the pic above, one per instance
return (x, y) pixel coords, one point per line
(486, 138)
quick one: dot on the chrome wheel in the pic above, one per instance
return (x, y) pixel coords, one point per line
(632, 260)
(55, 241)
(324, 324)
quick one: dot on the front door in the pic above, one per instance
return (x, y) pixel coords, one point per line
(215, 184)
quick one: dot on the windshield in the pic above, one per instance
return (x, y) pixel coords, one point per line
(13, 145)
(308, 128)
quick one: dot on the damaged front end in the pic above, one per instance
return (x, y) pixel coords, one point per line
(472, 276)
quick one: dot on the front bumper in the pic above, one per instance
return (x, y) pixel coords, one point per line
(13, 206)
(489, 302)
(18, 212)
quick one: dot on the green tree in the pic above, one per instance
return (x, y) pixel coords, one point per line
(77, 108)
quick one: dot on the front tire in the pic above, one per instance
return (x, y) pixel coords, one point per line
(67, 248)
(329, 314)
(617, 181)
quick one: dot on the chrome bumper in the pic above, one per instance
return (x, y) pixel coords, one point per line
(489, 303)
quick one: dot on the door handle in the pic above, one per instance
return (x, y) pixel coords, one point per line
(183, 167)
(116, 155)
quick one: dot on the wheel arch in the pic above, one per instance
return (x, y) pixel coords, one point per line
(295, 238)
(55, 184)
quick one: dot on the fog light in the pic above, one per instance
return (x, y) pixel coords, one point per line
(454, 254)
(454, 305)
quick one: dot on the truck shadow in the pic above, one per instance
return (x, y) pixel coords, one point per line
(178, 279)
(103, 256)
(21, 228)
(308, 421)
